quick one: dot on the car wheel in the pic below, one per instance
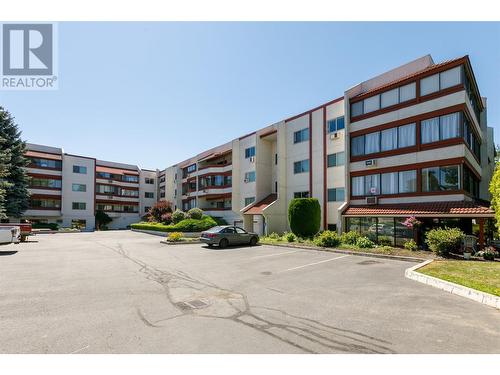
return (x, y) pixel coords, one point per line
(223, 243)
(253, 241)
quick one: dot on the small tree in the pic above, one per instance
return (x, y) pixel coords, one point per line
(495, 195)
(304, 216)
(14, 180)
(101, 219)
(159, 209)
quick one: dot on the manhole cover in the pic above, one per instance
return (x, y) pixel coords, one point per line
(368, 262)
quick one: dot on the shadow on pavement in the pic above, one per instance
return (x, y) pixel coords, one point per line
(11, 252)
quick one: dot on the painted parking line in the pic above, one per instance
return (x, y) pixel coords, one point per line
(313, 264)
(274, 255)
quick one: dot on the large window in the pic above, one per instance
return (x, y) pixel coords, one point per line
(249, 200)
(301, 166)
(149, 194)
(46, 163)
(386, 99)
(441, 81)
(129, 178)
(301, 135)
(79, 187)
(336, 160)
(335, 124)
(385, 183)
(249, 152)
(385, 140)
(336, 195)
(151, 181)
(250, 176)
(471, 182)
(79, 205)
(79, 169)
(441, 178)
(40, 203)
(39, 182)
(471, 139)
(441, 128)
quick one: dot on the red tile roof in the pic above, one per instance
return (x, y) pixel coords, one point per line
(427, 209)
(430, 67)
(258, 207)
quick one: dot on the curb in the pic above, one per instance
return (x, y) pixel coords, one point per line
(180, 242)
(349, 252)
(459, 290)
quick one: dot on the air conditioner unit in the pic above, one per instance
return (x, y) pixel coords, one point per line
(371, 163)
(252, 159)
(335, 135)
(371, 200)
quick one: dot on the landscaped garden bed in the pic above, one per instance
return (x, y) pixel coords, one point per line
(480, 275)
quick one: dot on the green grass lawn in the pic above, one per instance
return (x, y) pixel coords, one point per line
(483, 276)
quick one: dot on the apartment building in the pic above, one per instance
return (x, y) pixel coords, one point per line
(67, 189)
(413, 141)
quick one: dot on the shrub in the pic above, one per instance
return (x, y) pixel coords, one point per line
(102, 219)
(158, 210)
(186, 225)
(304, 216)
(174, 237)
(327, 239)
(275, 236)
(385, 241)
(195, 213)
(364, 243)
(488, 253)
(443, 241)
(289, 236)
(349, 238)
(51, 226)
(410, 245)
(166, 218)
(178, 216)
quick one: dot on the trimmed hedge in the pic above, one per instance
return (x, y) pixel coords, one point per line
(304, 216)
(51, 226)
(186, 225)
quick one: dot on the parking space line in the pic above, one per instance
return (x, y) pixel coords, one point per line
(312, 264)
(273, 255)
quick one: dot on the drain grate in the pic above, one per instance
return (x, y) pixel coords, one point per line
(368, 262)
(191, 305)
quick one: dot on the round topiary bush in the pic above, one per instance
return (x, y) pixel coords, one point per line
(349, 238)
(178, 216)
(304, 216)
(195, 213)
(327, 239)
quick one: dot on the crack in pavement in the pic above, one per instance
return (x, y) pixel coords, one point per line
(306, 334)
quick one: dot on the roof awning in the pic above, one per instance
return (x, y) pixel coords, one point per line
(43, 155)
(258, 207)
(111, 170)
(427, 209)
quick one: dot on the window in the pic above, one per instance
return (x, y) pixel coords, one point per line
(336, 195)
(250, 176)
(389, 139)
(372, 143)
(301, 166)
(46, 163)
(38, 203)
(301, 194)
(358, 146)
(162, 179)
(129, 178)
(440, 178)
(43, 183)
(151, 181)
(372, 184)
(335, 125)
(275, 159)
(372, 104)
(407, 92)
(441, 128)
(78, 223)
(389, 183)
(79, 187)
(191, 168)
(407, 135)
(471, 139)
(471, 182)
(79, 205)
(408, 181)
(335, 160)
(79, 169)
(239, 230)
(249, 152)
(249, 200)
(148, 194)
(386, 183)
(429, 84)
(301, 135)
(358, 186)
(389, 98)
(357, 109)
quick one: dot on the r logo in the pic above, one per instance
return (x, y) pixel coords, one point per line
(27, 49)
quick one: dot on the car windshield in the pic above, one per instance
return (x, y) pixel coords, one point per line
(215, 229)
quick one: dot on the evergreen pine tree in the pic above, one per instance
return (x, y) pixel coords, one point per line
(14, 181)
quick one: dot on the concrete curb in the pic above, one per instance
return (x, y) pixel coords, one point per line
(349, 252)
(180, 242)
(459, 290)
(165, 234)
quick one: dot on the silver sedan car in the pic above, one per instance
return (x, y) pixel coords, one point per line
(226, 235)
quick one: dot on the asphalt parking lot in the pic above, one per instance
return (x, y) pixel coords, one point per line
(125, 292)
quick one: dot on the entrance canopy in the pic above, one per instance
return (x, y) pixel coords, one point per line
(258, 207)
(470, 209)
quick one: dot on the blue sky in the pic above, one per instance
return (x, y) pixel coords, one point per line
(154, 94)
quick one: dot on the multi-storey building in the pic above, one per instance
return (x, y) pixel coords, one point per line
(411, 142)
(68, 189)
